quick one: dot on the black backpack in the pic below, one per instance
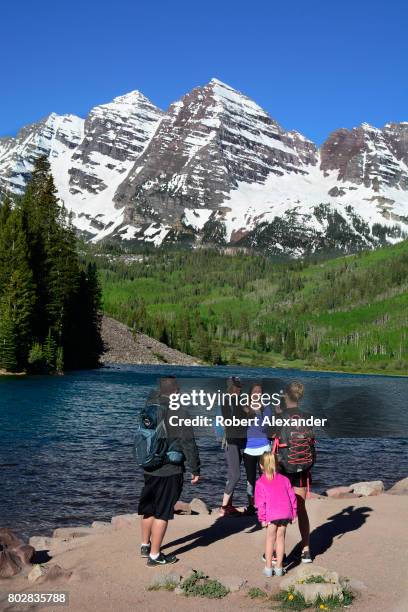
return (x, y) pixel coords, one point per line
(151, 447)
(295, 447)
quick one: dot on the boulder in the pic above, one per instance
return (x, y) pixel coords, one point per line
(373, 487)
(101, 525)
(123, 521)
(307, 570)
(36, 572)
(25, 553)
(345, 496)
(62, 545)
(400, 488)
(303, 572)
(55, 573)
(8, 539)
(14, 554)
(48, 573)
(182, 508)
(199, 507)
(355, 586)
(10, 564)
(338, 491)
(233, 583)
(313, 495)
(311, 591)
(298, 581)
(69, 533)
(40, 542)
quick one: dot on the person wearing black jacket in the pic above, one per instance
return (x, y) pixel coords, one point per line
(163, 486)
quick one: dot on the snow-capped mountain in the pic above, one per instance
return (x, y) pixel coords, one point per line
(216, 168)
(53, 136)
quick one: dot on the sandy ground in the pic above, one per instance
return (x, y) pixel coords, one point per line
(365, 539)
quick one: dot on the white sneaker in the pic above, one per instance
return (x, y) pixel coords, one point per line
(268, 571)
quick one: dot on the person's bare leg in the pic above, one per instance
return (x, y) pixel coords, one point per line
(280, 545)
(157, 534)
(304, 525)
(146, 524)
(270, 544)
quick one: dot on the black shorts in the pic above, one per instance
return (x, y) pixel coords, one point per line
(159, 496)
(299, 479)
(281, 522)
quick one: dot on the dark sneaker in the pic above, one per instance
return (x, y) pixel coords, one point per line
(229, 511)
(305, 557)
(145, 550)
(161, 560)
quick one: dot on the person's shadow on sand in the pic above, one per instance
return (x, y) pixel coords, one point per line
(222, 528)
(321, 538)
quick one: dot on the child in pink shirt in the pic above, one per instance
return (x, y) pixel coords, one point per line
(275, 501)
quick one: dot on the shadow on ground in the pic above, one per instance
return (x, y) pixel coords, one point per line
(321, 539)
(222, 528)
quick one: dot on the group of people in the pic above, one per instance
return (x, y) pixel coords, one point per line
(277, 464)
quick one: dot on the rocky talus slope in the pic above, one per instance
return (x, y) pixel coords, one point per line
(122, 346)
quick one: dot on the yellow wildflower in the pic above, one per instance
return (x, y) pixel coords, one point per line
(290, 596)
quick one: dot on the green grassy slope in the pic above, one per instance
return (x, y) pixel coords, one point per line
(349, 313)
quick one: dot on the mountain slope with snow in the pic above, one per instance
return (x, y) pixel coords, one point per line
(216, 168)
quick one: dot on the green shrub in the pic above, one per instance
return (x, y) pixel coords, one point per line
(256, 593)
(200, 585)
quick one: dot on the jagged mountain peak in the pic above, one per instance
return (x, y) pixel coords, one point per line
(215, 166)
(128, 101)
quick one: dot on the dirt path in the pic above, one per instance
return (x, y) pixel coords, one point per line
(365, 539)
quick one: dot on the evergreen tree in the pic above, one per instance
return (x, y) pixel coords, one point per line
(18, 294)
(8, 353)
(49, 307)
(5, 211)
(50, 352)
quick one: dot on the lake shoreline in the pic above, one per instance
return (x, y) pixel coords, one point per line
(124, 347)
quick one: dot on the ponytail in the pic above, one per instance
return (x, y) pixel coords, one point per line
(269, 464)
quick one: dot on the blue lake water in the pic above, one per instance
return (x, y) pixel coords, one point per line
(66, 442)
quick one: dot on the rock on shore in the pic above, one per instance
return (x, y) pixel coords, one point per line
(122, 346)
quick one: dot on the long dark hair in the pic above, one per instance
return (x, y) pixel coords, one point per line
(248, 409)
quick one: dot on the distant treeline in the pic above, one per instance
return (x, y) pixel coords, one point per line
(348, 313)
(49, 302)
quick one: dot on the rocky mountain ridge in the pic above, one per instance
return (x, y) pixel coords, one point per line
(216, 168)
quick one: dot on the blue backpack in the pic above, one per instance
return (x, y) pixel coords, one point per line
(151, 448)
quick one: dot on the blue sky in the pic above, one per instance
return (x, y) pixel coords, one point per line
(313, 65)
